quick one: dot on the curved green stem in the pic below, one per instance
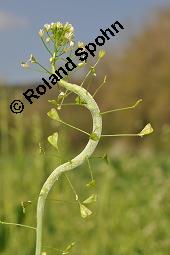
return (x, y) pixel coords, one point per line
(92, 106)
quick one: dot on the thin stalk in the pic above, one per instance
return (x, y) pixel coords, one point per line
(52, 248)
(50, 37)
(97, 90)
(89, 166)
(65, 95)
(60, 201)
(117, 135)
(86, 76)
(75, 128)
(72, 187)
(71, 104)
(125, 108)
(46, 47)
(17, 225)
(89, 72)
(43, 67)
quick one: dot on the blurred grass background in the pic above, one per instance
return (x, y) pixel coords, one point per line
(131, 215)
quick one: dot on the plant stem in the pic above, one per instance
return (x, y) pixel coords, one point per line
(92, 106)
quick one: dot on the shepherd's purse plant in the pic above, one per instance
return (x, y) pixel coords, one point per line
(59, 41)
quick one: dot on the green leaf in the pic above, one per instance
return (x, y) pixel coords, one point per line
(102, 53)
(85, 212)
(53, 140)
(91, 199)
(146, 131)
(53, 114)
(68, 248)
(91, 184)
(94, 136)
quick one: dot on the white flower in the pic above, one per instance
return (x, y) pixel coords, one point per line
(71, 28)
(71, 43)
(47, 26)
(52, 25)
(41, 32)
(80, 44)
(47, 39)
(68, 36)
(59, 24)
(66, 24)
(51, 60)
(62, 93)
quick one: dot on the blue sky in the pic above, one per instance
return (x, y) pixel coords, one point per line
(20, 22)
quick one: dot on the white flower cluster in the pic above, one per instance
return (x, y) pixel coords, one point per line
(58, 31)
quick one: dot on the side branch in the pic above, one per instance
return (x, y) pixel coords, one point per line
(124, 108)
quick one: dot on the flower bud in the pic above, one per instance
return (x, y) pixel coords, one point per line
(41, 32)
(47, 27)
(47, 39)
(81, 64)
(80, 44)
(102, 53)
(71, 43)
(24, 65)
(59, 25)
